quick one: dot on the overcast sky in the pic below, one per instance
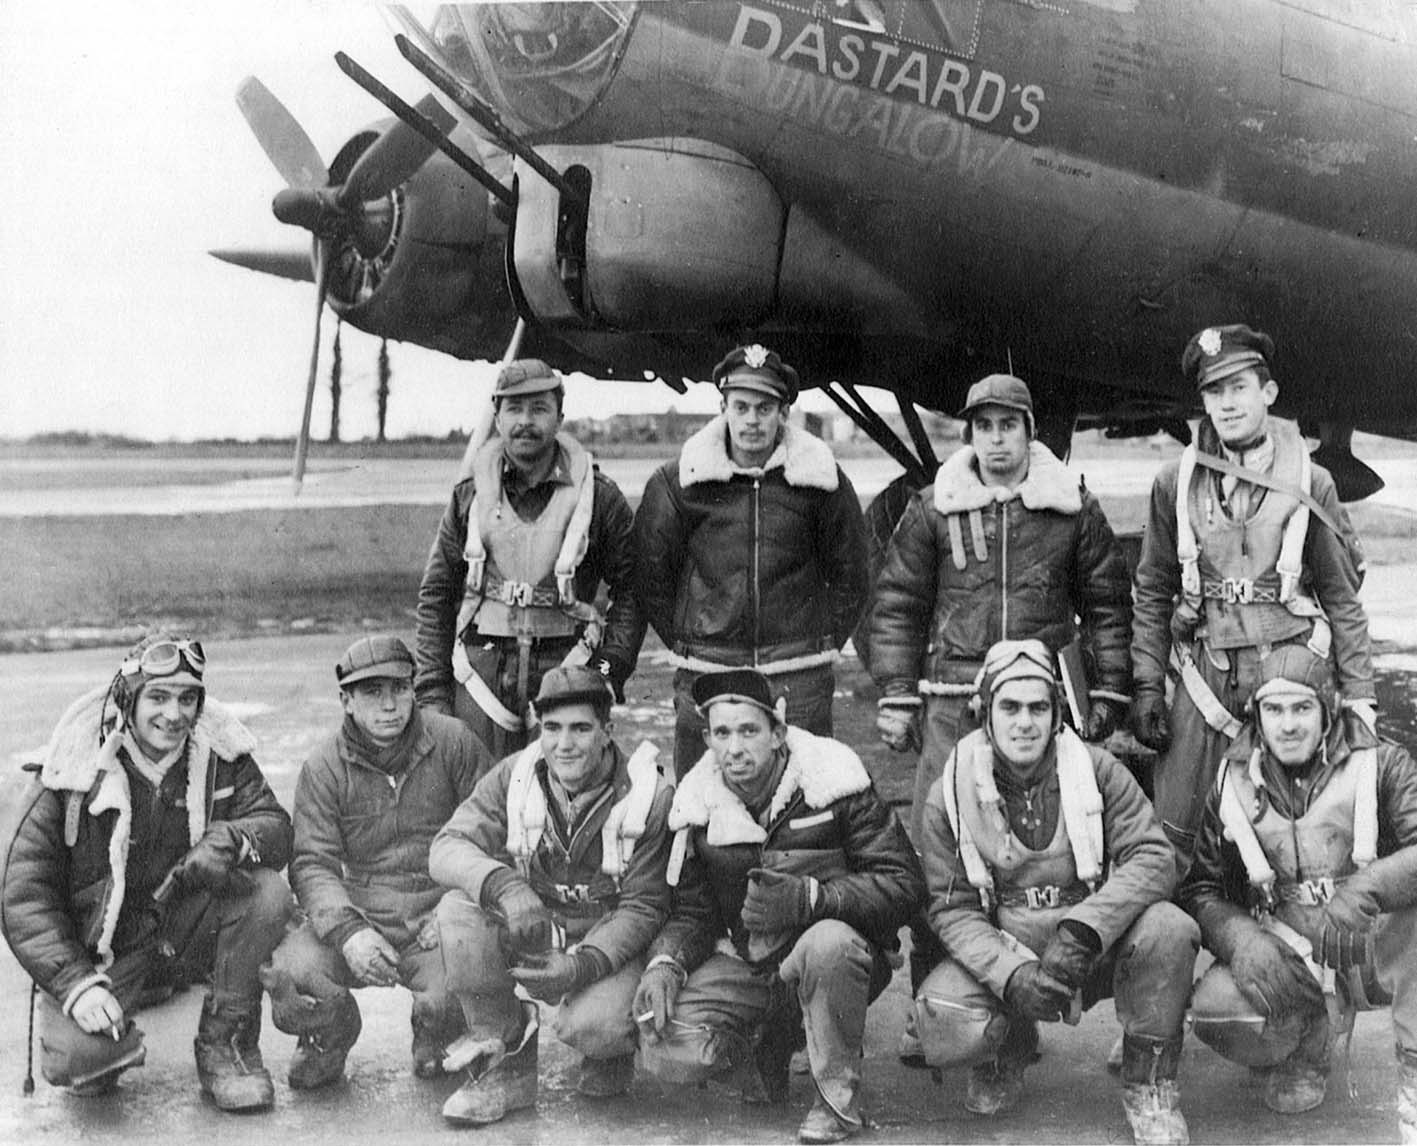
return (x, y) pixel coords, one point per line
(125, 160)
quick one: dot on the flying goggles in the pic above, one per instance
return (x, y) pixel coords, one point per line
(165, 657)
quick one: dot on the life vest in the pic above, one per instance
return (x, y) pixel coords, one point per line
(521, 574)
(1257, 563)
(994, 858)
(623, 827)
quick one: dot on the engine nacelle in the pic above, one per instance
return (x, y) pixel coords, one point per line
(427, 267)
(675, 235)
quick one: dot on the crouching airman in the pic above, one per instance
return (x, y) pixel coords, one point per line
(1048, 875)
(557, 864)
(148, 856)
(1305, 888)
(792, 879)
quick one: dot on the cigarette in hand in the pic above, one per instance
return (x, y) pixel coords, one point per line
(113, 1030)
(648, 1016)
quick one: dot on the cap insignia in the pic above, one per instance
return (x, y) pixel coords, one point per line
(1210, 342)
(755, 356)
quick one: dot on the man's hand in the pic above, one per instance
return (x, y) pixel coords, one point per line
(1273, 977)
(1104, 719)
(371, 959)
(552, 975)
(777, 901)
(654, 998)
(1072, 954)
(97, 1011)
(1033, 993)
(528, 920)
(1346, 926)
(899, 727)
(615, 674)
(211, 863)
(1150, 724)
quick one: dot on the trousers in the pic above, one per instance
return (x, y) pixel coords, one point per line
(1147, 972)
(226, 937)
(596, 1021)
(809, 705)
(496, 660)
(836, 973)
(1227, 1022)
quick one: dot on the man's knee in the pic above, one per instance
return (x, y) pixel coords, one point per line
(597, 1021)
(267, 906)
(957, 1019)
(1163, 943)
(1232, 1027)
(303, 978)
(471, 942)
(70, 1056)
(829, 951)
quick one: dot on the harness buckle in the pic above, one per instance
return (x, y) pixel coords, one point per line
(517, 593)
(1038, 898)
(1315, 892)
(1237, 590)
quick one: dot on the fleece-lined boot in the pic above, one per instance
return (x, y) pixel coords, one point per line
(228, 1050)
(995, 1087)
(501, 1075)
(1150, 1096)
(1407, 1097)
(1295, 1086)
(320, 1054)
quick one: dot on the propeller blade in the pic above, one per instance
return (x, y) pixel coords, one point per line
(281, 137)
(395, 157)
(302, 443)
(294, 265)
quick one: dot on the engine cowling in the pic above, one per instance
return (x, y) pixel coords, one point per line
(425, 264)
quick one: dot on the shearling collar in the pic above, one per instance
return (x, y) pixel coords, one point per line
(1050, 484)
(823, 770)
(806, 461)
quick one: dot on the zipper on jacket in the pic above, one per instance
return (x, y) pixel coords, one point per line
(757, 571)
(1003, 512)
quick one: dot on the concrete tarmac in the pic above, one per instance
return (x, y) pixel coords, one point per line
(284, 691)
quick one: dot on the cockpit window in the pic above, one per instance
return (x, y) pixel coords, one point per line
(941, 25)
(540, 65)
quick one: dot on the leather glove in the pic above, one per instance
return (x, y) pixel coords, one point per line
(528, 920)
(615, 673)
(1346, 926)
(211, 863)
(1104, 719)
(1273, 977)
(97, 1011)
(654, 998)
(1033, 993)
(899, 727)
(1072, 954)
(371, 958)
(1150, 723)
(552, 975)
(777, 902)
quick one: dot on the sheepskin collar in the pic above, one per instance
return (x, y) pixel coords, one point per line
(74, 761)
(823, 770)
(1050, 484)
(806, 461)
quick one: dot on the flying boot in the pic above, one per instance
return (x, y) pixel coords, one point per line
(437, 1021)
(322, 1049)
(1407, 1097)
(995, 1086)
(501, 1074)
(1299, 1083)
(228, 1050)
(1150, 1095)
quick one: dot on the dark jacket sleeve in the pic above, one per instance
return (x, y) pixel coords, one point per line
(905, 601)
(1336, 580)
(612, 555)
(40, 931)
(439, 598)
(1158, 581)
(841, 553)
(644, 900)
(253, 809)
(660, 544)
(1102, 591)
(695, 921)
(1214, 889)
(886, 886)
(317, 871)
